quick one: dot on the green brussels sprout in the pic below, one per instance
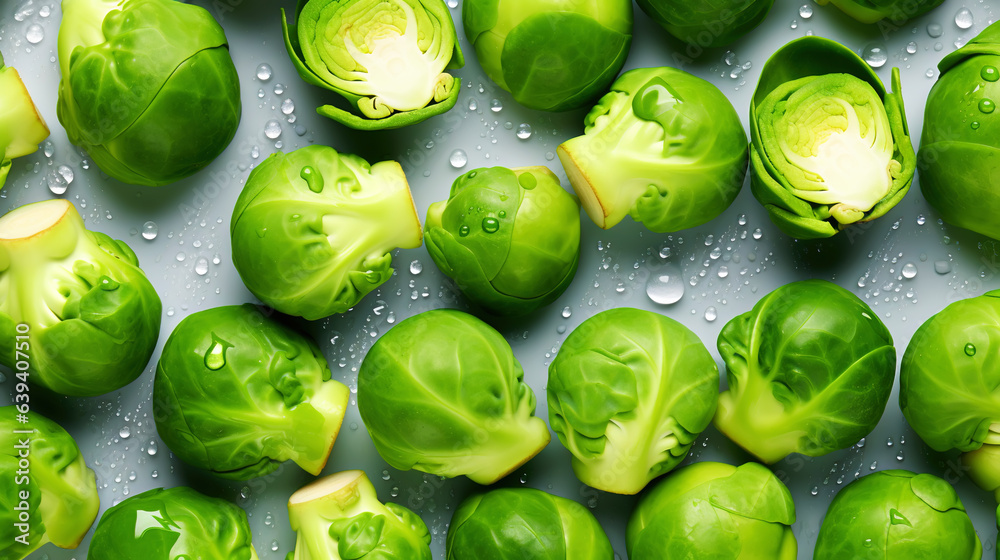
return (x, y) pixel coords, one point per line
(148, 87)
(49, 496)
(22, 128)
(238, 393)
(549, 54)
(663, 146)
(441, 392)
(959, 149)
(872, 11)
(707, 23)
(312, 230)
(90, 315)
(810, 370)
(628, 393)
(387, 59)
(518, 523)
(173, 524)
(897, 515)
(510, 238)
(830, 146)
(339, 517)
(949, 384)
(717, 511)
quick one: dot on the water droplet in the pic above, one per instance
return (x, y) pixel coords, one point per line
(711, 314)
(453, 4)
(66, 173)
(458, 159)
(963, 18)
(35, 34)
(215, 359)
(723, 271)
(312, 178)
(125, 432)
(868, 543)
(899, 456)
(154, 474)
(814, 491)
(151, 450)
(496, 105)
(942, 267)
(463, 231)
(287, 106)
(921, 220)
(201, 266)
(416, 268)
(970, 349)
(57, 184)
(665, 286)
(909, 270)
(279, 89)
(255, 152)
(44, 11)
(929, 73)
(272, 129)
(567, 313)
(48, 148)
(524, 131)
(491, 225)
(989, 73)
(108, 285)
(264, 72)
(473, 105)
(180, 257)
(873, 466)
(385, 475)
(805, 11)
(897, 518)
(911, 47)
(757, 234)
(665, 252)
(861, 443)
(935, 30)
(875, 55)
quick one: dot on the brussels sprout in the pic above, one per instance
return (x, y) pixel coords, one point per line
(90, 315)
(663, 146)
(22, 128)
(628, 393)
(510, 238)
(897, 515)
(872, 11)
(173, 524)
(810, 370)
(960, 145)
(148, 87)
(339, 517)
(949, 384)
(519, 523)
(830, 146)
(441, 392)
(549, 54)
(387, 58)
(54, 499)
(713, 510)
(312, 230)
(238, 393)
(707, 23)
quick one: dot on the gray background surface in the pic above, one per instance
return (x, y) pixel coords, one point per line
(727, 264)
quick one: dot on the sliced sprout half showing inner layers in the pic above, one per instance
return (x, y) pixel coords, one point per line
(830, 147)
(387, 58)
(22, 127)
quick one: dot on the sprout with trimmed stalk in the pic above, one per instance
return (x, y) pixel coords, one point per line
(663, 146)
(22, 127)
(313, 229)
(510, 238)
(238, 393)
(628, 393)
(339, 517)
(90, 314)
(56, 501)
(442, 392)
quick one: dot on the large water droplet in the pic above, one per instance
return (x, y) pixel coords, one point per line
(665, 286)
(942, 267)
(524, 131)
(875, 55)
(35, 34)
(151, 450)
(272, 129)
(264, 72)
(911, 47)
(909, 270)
(463, 231)
(416, 268)
(149, 230)
(963, 18)
(935, 30)
(711, 314)
(215, 359)
(57, 184)
(312, 178)
(805, 11)
(125, 432)
(458, 159)
(287, 106)
(567, 313)
(987, 106)
(201, 266)
(66, 172)
(989, 73)
(970, 349)
(491, 225)
(496, 105)
(473, 104)
(897, 518)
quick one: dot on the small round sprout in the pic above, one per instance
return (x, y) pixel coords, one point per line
(510, 238)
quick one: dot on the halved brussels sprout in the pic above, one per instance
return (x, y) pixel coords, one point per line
(22, 128)
(810, 370)
(386, 58)
(515, 523)
(550, 55)
(713, 510)
(238, 393)
(897, 514)
(173, 524)
(872, 11)
(510, 238)
(49, 496)
(707, 23)
(628, 393)
(91, 315)
(148, 87)
(339, 517)
(442, 392)
(949, 384)
(664, 147)
(960, 147)
(313, 229)
(830, 147)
